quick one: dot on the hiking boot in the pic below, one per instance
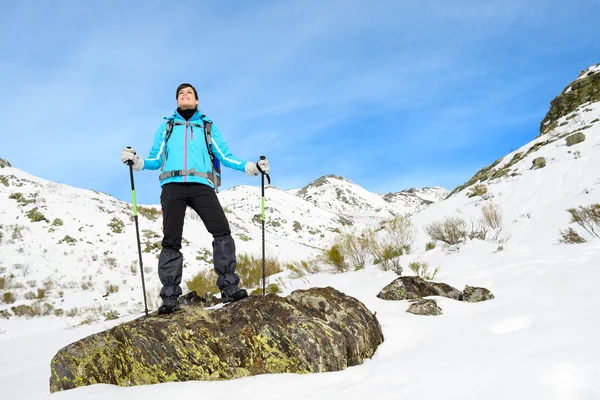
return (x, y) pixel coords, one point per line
(233, 295)
(169, 305)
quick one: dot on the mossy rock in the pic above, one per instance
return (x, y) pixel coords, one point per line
(414, 287)
(575, 138)
(539, 162)
(314, 330)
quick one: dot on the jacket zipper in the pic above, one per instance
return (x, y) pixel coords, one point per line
(185, 152)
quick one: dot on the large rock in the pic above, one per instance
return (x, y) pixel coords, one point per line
(413, 287)
(315, 330)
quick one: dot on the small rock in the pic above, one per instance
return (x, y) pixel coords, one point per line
(425, 307)
(575, 138)
(539, 162)
(476, 294)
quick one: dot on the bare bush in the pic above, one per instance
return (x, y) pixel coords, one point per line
(492, 217)
(451, 230)
(570, 235)
(300, 268)
(354, 249)
(588, 217)
(401, 233)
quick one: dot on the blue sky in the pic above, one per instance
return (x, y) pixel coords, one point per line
(389, 94)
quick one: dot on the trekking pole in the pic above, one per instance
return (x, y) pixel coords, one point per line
(137, 231)
(262, 184)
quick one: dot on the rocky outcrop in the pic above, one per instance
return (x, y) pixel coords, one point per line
(416, 288)
(315, 330)
(4, 163)
(413, 287)
(585, 89)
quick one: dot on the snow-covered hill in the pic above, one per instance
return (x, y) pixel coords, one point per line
(78, 247)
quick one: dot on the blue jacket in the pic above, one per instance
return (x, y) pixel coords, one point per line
(186, 149)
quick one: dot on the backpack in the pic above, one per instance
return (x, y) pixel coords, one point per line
(215, 176)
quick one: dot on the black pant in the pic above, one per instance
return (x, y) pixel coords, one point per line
(174, 200)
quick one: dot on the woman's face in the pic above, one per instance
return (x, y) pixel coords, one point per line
(186, 100)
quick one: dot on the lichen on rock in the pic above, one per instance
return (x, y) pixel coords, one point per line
(314, 330)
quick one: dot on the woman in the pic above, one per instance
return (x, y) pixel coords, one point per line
(181, 149)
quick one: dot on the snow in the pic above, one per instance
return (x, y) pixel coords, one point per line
(590, 70)
(537, 339)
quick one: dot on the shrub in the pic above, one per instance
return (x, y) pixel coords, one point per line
(491, 216)
(110, 262)
(570, 235)
(68, 239)
(334, 257)
(116, 225)
(429, 246)
(421, 269)
(354, 249)
(133, 267)
(401, 233)
(205, 255)
(249, 268)
(17, 233)
(111, 288)
(203, 281)
(57, 222)
(452, 230)
(270, 289)
(24, 311)
(300, 268)
(477, 190)
(41, 293)
(152, 247)
(297, 226)
(8, 297)
(588, 217)
(29, 296)
(110, 315)
(2, 282)
(150, 213)
(35, 216)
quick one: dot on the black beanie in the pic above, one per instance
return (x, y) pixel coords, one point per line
(184, 85)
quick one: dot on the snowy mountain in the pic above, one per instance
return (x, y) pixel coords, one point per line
(78, 247)
(344, 197)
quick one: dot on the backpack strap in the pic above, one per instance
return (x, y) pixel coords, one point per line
(216, 166)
